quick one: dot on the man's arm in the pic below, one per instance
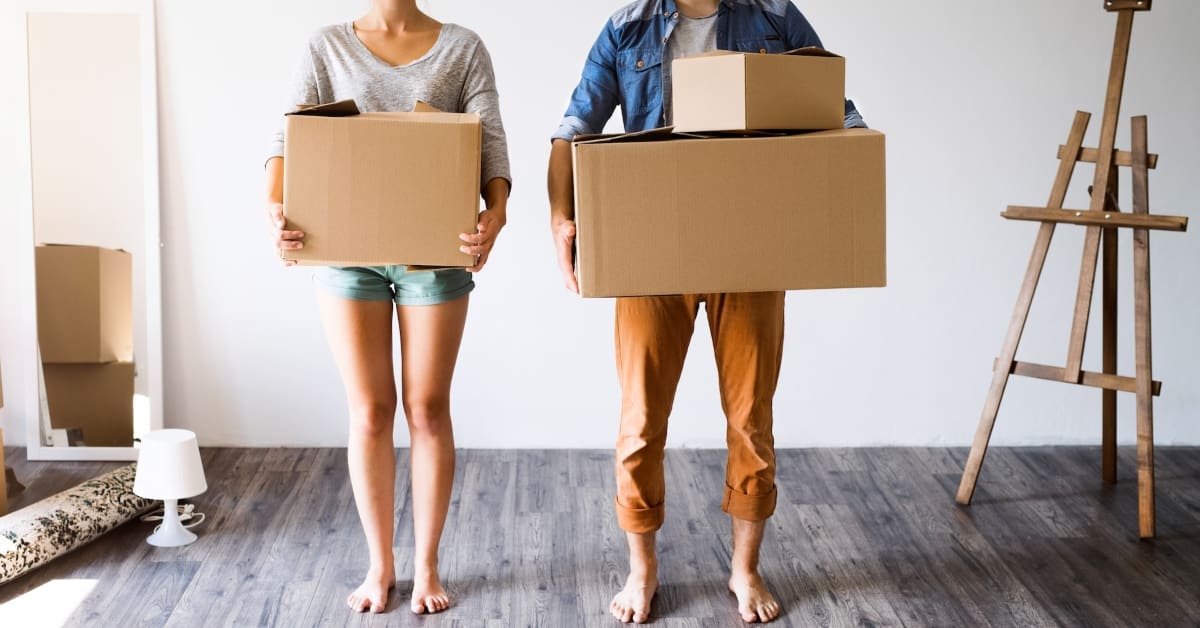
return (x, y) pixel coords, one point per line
(592, 104)
(800, 34)
(560, 185)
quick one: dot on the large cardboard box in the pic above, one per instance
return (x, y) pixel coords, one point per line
(84, 304)
(803, 89)
(95, 398)
(381, 188)
(659, 214)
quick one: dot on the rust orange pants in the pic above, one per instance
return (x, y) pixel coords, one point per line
(652, 338)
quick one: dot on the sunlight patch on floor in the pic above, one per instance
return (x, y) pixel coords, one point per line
(51, 604)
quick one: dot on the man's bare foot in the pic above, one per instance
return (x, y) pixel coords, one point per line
(428, 596)
(372, 594)
(755, 602)
(632, 604)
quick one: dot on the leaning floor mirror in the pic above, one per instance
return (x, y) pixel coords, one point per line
(94, 229)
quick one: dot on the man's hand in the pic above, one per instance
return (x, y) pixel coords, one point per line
(564, 247)
(480, 243)
(282, 238)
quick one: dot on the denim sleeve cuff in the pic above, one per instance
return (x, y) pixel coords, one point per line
(570, 127)
(854, 119)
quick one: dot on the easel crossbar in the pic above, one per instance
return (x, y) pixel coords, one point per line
(1093, 218)
(1090, 379)
(1121, 158)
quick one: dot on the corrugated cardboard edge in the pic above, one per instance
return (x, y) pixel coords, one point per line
(579, 278)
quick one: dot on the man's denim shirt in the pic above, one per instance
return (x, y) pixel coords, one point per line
(624, 66)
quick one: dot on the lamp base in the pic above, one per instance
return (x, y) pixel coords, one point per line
(171, 533)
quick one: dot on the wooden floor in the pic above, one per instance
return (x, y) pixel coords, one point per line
(867, 537)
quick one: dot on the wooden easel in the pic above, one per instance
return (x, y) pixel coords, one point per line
(1103, 219)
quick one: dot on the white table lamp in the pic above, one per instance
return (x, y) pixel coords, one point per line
(169, 469)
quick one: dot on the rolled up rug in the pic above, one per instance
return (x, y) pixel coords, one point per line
(40, 532)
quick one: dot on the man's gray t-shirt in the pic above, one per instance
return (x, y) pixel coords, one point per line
(455, 75)
(691, 36)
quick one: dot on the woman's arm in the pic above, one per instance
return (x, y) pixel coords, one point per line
(277, 224)
(305, 91)
(481, 97)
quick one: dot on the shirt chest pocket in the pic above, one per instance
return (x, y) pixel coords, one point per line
(769, 43)
(640, 72)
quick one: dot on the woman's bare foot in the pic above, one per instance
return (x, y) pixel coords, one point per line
(372, 594)
(632, 604)
(755, 602)
(428, 596)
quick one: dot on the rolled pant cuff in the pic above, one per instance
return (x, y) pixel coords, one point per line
(749, 507)
(639, 521)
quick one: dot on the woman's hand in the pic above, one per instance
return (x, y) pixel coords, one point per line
(480, 244)
(282, 238)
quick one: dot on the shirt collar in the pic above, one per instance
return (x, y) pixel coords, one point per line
(670, 8)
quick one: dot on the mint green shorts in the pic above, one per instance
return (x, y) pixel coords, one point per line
(394, 283)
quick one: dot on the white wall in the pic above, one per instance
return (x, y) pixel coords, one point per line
(973, 112)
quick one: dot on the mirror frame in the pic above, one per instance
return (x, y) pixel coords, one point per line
(26, 285)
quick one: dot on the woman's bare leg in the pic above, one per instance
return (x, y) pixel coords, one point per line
(360, 336)
(429, 339)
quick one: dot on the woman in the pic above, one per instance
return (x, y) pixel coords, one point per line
(385, 61)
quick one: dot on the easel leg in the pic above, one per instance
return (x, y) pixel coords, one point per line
(1145, 399)
(1108, 437)
(1003, 369)
(1141, 321)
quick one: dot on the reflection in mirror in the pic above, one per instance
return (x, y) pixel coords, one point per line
(86, 138)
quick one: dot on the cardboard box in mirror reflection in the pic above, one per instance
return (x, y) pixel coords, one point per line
(85, 335)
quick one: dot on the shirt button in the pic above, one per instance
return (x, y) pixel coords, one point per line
(675, 15)
(641, 64)
(762, 51)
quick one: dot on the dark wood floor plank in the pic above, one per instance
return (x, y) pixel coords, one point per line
(861, 537)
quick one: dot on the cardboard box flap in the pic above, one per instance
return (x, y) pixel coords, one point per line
(339, 109)
(80, 246)
(812, 51)
(716, 135)
(650, 135)
(666, 133)
(423, 107)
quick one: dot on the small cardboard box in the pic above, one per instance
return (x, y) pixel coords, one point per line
(84, 304)
(662, 214)
(96, 398)
(803, 89)
(381, 188)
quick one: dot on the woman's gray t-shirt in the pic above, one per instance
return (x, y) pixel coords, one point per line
(455, 75)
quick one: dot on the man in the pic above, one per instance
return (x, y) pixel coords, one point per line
(630, 66)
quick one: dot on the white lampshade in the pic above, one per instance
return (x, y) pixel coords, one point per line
(168, 466)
